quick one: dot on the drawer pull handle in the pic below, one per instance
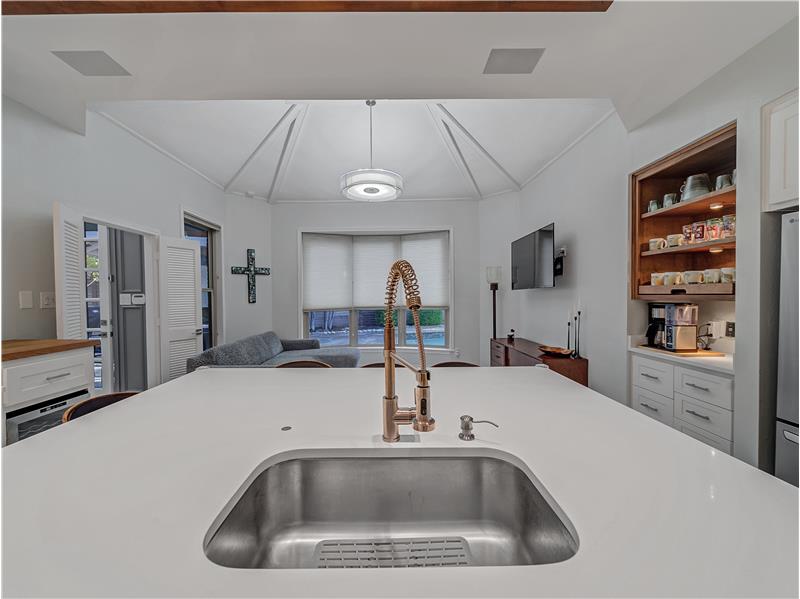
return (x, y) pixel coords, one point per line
(650, 376)
(693, 413)
(790, 437)
(57, 376)
(693, 386)
(649, 407)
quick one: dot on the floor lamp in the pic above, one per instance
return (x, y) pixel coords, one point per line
(493, 274)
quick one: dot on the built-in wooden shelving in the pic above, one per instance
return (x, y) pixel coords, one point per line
(700, 205)
(686, 292)
(729, 243)
(713, 154)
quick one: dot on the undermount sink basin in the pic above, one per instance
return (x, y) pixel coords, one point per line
(373, 509)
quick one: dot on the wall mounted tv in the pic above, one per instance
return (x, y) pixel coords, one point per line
(532, 259)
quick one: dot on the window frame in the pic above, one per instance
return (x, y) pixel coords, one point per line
(449, 319)
(215, 270)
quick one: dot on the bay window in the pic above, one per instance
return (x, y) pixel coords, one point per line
(344, 287)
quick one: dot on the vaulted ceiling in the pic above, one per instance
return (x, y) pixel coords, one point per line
(640, 55)
(296, 151)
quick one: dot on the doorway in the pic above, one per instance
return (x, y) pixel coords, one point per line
(116, 307)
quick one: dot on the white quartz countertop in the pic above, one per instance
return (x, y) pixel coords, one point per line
(722, 364)
(117, 503)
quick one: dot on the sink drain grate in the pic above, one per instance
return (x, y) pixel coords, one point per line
(421, 552)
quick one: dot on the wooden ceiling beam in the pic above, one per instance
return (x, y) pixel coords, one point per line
(74, 7)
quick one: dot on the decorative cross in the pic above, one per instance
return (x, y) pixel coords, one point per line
(251, 271)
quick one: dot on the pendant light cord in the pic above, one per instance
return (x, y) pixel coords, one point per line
(370, 131)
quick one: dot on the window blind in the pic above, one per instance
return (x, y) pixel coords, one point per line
(341, 271)
(372, 257)
(429, 254)
(327, 271)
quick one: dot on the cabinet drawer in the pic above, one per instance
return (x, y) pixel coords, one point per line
(653, 405)
(704, 436)
(47, 378)
(517, 358)
(706, 416)
(653, 375)
(497, 354)
(710, 388)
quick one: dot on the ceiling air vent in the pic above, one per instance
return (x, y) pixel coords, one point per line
(512, 61)
(92, 63)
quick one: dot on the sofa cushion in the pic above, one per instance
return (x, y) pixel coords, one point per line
(251, 350)
(338, 357)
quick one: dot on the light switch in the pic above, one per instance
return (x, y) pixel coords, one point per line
(47, 299)
(25, 300)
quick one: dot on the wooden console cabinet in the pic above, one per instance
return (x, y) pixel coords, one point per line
(523, 352)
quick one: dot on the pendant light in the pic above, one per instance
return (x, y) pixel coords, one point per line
(371, 184)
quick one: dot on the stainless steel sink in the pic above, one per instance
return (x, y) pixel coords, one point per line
(386, 509)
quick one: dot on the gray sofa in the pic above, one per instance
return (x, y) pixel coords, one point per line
(266, 350)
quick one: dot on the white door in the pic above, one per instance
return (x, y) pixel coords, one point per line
(181, 322)
(69, 268)
(99, 323)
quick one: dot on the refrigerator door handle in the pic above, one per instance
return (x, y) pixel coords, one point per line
(791, 437)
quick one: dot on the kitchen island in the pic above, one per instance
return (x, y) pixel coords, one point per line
(119, 502)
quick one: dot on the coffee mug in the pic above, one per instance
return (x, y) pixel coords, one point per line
(658, 243)
(653, 206)
(693, 277)
(728, 275)
(723, 181)
(673, 278)
(699, 231)
(712, 275)
(675, 240)
(670, 199)
(657, 278)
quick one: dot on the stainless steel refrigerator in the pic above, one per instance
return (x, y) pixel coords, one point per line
(786, 432)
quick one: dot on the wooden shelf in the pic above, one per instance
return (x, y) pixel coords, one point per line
(699, 205)
(728, 243)
(668, 292)
(713, 154)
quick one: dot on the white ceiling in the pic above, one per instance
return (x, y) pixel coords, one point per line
(641, 55)
(439, 148)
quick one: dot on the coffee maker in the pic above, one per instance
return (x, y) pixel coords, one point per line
(655, 325)
(680, 327)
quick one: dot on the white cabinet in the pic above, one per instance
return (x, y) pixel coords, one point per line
(653, 405)
(653, 375)
(691, 400)
(38, 388)
(779, 150)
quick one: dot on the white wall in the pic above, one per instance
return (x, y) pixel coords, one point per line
(108, 173)
(461, 216)
(738, 92)
(586, 193)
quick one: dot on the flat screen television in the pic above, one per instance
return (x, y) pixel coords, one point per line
(532, 259)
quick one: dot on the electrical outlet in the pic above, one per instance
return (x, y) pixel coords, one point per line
(717, 329)
(47, 300)
(730, 329)
(25, 300)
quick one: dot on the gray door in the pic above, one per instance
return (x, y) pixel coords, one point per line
(128, 310)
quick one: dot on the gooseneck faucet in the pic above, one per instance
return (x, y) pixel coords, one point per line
(419, 417)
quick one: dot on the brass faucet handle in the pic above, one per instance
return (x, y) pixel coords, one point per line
(467, 421)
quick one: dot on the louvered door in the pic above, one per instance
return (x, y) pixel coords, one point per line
(181, 323)
(70, 280)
